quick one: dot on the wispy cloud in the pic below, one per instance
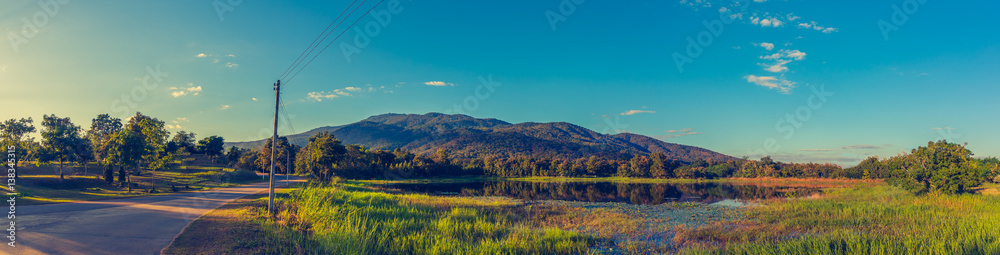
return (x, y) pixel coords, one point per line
(183, 91)
(345, 92)
(765, 45)
(224, 107)
(217, 58)
(680, 131)
(320, 95)
(943, 128)
(812, 25)
(632, 112)
(771, 82)
(177, 123)
(861, 147)
(438, 83)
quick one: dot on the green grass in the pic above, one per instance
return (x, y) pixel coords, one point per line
(877, 219)
(349, 219)
(41, 185)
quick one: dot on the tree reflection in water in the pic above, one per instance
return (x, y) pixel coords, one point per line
(634, 193)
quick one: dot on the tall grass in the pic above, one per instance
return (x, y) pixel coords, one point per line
(859, 220)
(342, 221)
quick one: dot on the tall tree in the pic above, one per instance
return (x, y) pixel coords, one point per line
(14, 132)
(185, 140)
(212, 146)
(61, 139)
(125, 149)
(155, 136)
(324, 151)
(101, 130)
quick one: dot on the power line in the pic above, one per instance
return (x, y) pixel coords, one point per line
(315, 43)
(334, 40)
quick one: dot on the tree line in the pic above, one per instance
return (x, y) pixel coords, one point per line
(939, 167)
(140, 142)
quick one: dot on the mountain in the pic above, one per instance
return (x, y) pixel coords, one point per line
(467, 137)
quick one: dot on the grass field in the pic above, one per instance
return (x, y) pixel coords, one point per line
(350, 219)
(877, 219)
(40, 185)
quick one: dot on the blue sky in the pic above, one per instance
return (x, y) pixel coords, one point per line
(898, 78)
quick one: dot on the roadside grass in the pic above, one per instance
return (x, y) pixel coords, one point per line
(354, 220)
(237, 228)
(348, 218)
(41, 185)
(866, 219)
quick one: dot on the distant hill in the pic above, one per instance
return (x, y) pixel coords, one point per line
(467, 137)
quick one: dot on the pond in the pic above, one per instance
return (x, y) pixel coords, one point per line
(722, 193)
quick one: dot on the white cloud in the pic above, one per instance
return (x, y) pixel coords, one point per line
(3, 69)
(680, 131)
(232, 65)
(231, 55)
(200, 55)
(781, 58)
(177, 123)
(777, 67)
(766, 45)
(943, 128)
(766, 22)
(771, 82)
(812, 25)
(224, 107)
(632, 112)
(253, 98)
(190, 90)
(355, 89)
(320, 95)
(438, 83)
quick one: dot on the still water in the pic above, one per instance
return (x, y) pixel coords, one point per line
(633, 193)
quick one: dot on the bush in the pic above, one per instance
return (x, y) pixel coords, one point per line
(240, 175)
(940, 167)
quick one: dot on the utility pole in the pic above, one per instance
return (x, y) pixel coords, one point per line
(274, 146)
(288, 161)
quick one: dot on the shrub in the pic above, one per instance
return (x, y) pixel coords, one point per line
(240, 175)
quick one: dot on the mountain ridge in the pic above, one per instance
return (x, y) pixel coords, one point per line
(468, 137)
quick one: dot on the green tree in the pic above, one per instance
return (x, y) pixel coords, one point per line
(61, 139)
(322, 154)
(14, 132)
(125, 149)
(101, 130)
(212, 146)
(940, 167)
(658, 168)
(185, 140)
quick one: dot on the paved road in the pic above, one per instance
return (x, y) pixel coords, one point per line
(143, 225)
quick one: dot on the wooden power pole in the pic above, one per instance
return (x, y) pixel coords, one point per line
(274, 146)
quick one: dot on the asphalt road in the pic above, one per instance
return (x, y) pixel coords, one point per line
(143, 225)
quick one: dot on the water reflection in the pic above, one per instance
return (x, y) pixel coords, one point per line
(634, 193)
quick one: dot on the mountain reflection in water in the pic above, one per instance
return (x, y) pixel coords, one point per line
(633, 193)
